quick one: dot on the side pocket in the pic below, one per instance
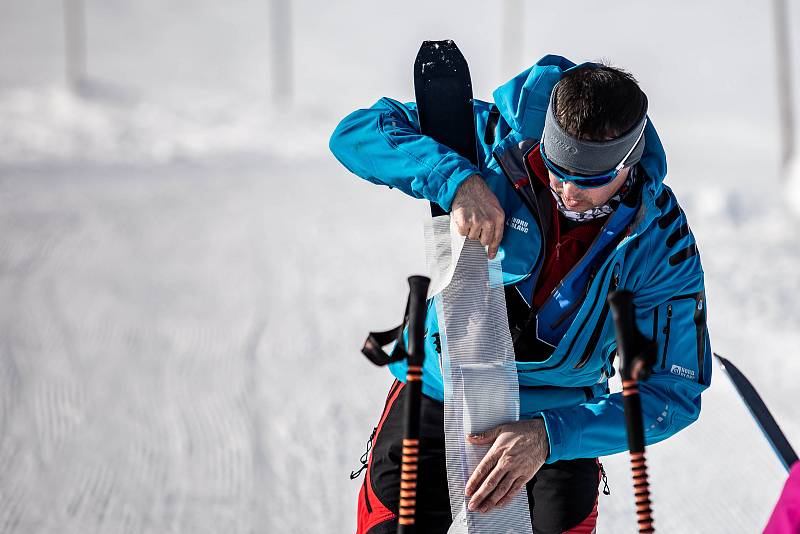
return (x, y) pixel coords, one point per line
(366, 496)
(689, 312)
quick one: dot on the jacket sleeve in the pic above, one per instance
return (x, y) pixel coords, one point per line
(670, 306)
(383, 144)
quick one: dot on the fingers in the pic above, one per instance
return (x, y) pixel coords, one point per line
(461, 222)
(492, 482)
(499, 492)
(468, 225)
(478, 215)
(494, 242)
(518, 484)
(518, 451)
(475, 231)
(488, 462)
(480, 473)
(487, 232)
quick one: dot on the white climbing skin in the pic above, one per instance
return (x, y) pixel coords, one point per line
(440, 248)
(477, 356)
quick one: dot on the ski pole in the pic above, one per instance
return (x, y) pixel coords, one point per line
(417, 308)
(637, 356)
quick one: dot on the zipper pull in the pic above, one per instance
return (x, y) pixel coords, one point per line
(665, 330)
(364, 457)
(558, 251)
(606, 489)
(615, 277)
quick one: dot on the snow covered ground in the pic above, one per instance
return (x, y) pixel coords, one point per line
(187, 275)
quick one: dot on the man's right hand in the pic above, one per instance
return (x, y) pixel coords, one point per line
(478, 214)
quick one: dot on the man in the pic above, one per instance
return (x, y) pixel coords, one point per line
(568, 194)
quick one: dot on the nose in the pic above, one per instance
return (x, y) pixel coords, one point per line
(570, 189)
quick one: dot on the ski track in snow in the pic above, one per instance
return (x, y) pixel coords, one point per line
(180, 350)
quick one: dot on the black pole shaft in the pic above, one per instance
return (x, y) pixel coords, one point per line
(631, 346)
(633, 416)
(417, 307)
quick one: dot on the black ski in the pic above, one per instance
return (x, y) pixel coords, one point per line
(443, 90)
(760, 413)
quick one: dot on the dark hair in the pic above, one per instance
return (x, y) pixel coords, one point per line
(598, 102)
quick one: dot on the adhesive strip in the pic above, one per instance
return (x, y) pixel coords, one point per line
(480, 380)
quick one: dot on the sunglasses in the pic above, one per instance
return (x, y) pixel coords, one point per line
(593, 181)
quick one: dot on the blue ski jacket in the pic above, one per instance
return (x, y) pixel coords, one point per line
(657, 259)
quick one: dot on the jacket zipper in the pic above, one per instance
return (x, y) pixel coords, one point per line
(666, 338)
(699, 323)
(615, 279)
(525, 200)
(655, 325)
(577, 302)
(601, 322)
(574, 338)
(530, 204)
(535, 212)
(568, 313)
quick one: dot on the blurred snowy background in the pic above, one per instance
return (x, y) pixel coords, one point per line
(186, 274)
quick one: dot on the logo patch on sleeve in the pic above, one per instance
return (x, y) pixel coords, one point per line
(682, 372)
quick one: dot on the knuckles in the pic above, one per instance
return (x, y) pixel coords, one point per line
(505, 464)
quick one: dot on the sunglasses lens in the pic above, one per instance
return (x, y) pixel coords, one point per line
(584, 182)
(594, 181)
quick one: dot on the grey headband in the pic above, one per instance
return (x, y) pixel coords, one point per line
(591, 157)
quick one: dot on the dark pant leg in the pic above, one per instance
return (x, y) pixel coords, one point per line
(383, 477)
(563, 495)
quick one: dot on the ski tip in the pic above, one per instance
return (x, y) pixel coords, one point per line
(722, 360)
(440, 59)
(445, 50)
(436, 45)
